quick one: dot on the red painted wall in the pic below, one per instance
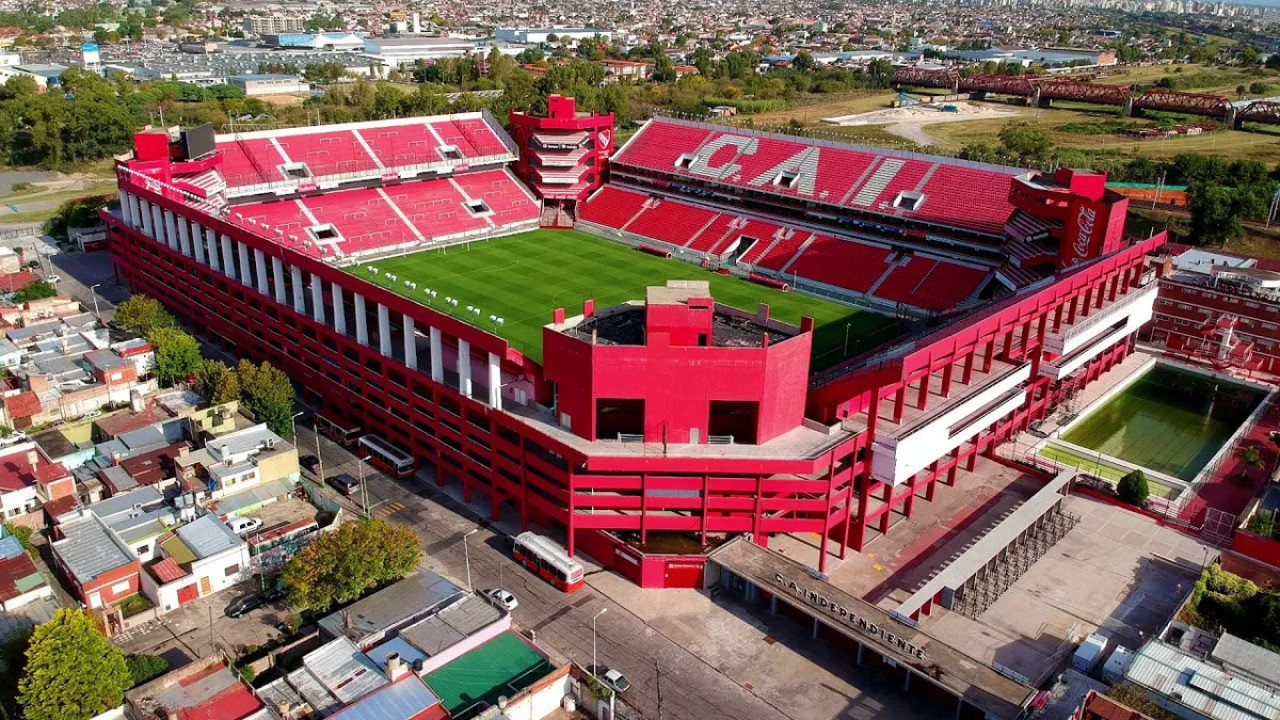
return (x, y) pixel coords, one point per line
(678, 383)
(1256, 547)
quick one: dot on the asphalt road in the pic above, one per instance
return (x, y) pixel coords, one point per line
(690, 689)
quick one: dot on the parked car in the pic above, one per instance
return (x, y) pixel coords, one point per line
(276, 593)
(610, 678)
(310, 463)
(344, 484)
(502, 599)
(92, 414)
(244, 604)
(244, 525)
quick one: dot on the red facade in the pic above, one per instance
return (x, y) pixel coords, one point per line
(809, 455)
(563, 154)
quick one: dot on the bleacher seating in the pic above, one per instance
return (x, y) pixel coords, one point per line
(435, 208)
(760, 230)
(328, 153)
(851, 265)
(402, 145)
(612, 207)
(930, 283)
(250, 162)
(500, 191)
(965, 196)
(703, 241)
(774, 257)
(672, 221)
(362, 216)
(255, 158)
(274, 219)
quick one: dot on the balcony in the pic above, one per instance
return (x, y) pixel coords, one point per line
(1133, 310)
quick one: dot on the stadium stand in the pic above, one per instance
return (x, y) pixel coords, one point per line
(711, 234)
(612, 207)
(402, 145)
(930, 283)
(325, 153)
(953, 193)
(851, 265)
(502, 193)
(249, 162)
(671, 221)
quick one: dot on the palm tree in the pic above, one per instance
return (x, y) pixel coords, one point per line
(1249, 457)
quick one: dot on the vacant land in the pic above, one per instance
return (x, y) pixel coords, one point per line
(815, 107)
(523, 278)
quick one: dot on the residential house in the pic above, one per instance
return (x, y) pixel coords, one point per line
(20, 580)
(240, 461)
(205, 688)
(99, 567)
(28, 480)
(200, 558)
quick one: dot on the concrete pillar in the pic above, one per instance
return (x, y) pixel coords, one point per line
(817, 627)
(861, 648)
(246, 274)
(495, 381)
(184, 236)
(410, 343)
(299, 300)
(211, 244)
(277, 273)
(228, 258)
(144, 210)
(317, 299)
(906, 682)
(125, 211)
(135, 206)
(384, 330)
(157, 226)
(362, 320)
(922, 400)
(339, 310)
(437, 355)
(773, 605)
(260, 264)
(170, 230)
(464, 367)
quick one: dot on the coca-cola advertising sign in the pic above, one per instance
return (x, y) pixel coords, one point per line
(1086, 226)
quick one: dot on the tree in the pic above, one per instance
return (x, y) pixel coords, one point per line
(1133, 488)
(268, 394)
(145, 667)
(1250, 459)
(37, 290)
(141, 314)
(72, 672)
(218, 383)
(1214, 216)
(804, 61)
(341, 566)
(177, 355)
(1027, 144)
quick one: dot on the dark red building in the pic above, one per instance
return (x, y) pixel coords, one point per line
(674, 414)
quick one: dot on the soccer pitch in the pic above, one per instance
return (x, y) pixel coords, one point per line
(523, 278)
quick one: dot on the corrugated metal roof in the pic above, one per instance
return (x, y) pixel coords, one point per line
(410, 599)
(1200, 686)
(451, 625)
(401, 700)
(208, 536)
(89, 550)
(255, 495)
(344, 671)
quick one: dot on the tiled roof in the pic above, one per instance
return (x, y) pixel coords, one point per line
(22, 405)
(166, 571)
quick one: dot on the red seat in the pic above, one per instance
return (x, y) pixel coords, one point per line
(612, 207)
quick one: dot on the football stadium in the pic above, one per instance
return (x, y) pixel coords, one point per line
(702, 333)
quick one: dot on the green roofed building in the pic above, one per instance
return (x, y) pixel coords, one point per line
(505, 665)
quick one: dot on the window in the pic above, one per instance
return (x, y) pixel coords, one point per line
(233, 570)
(121, 587)
(143, 550)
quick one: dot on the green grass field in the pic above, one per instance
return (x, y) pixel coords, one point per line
(1101, 470)
(523, 278)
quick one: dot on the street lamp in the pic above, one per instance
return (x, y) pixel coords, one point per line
(293, 425)
(94, 295)
(466, 554)
(364, 490)
(595, 666)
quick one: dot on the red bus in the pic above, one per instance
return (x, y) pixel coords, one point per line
(344, 434)
(387, 457)
(550, 561)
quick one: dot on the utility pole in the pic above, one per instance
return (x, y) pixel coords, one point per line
(319, 455)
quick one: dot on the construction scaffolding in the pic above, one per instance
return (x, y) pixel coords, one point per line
(993, 579)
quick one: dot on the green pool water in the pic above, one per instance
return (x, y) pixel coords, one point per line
(1169, 420)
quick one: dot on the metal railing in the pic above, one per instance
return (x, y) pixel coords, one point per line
(1106, 313)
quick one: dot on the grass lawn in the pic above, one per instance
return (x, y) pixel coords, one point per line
(1257, 142)
(815, 107)
(523, 278)
(1100, 470)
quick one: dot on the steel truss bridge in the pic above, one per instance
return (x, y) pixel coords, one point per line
(1037, 89)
